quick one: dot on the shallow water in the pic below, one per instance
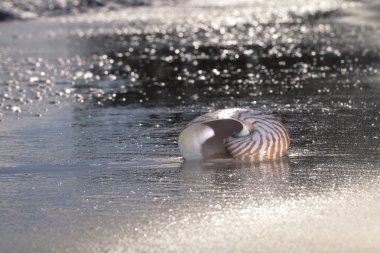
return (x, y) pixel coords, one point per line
(92, 105)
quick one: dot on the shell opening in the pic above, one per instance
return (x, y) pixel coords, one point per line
(207, 139)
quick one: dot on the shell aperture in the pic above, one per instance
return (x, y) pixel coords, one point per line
(243, 134)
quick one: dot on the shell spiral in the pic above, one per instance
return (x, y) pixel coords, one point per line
(243, 134)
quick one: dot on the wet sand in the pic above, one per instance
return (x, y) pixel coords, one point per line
(89, 162)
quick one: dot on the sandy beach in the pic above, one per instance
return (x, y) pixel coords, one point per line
(93, 99)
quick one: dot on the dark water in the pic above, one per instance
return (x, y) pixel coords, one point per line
(92, 105)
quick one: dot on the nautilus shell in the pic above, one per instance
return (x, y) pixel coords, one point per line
(243, 134)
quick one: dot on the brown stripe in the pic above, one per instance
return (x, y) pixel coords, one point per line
(279, 154)
(278, 132)
(286, 135)
(284, 140)
(251, 150)
(272, 148)
(238, 145)
(255, 154)
(237, 150)
(265, 157)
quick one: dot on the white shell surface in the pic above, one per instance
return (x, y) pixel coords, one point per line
(191, 139)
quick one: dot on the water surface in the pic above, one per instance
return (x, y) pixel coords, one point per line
(92, 105)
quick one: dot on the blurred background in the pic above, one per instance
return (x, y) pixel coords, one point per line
(94, 93)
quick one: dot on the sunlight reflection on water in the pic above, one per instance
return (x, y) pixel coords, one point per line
(90, 161)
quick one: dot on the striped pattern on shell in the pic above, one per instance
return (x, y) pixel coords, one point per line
(243, 134)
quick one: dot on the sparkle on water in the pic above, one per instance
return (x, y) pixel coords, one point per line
(92, 104)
